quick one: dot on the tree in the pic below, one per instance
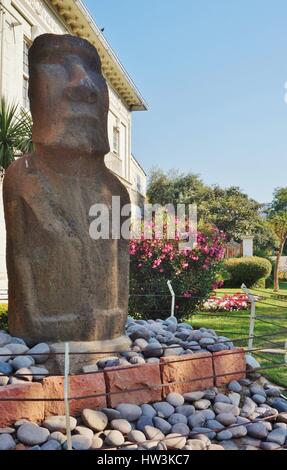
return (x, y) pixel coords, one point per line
(15, 133)
(229, 209)
(278, 223)
(232, 211)
(279, 203)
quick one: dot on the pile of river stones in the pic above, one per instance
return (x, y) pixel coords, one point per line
(150, 341)
(243, 416)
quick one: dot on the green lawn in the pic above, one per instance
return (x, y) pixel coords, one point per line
(236, 325)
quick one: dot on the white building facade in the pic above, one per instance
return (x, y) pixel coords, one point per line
(23, 20)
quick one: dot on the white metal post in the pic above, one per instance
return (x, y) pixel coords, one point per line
(66, 397)
(172, 298)
(252, 319)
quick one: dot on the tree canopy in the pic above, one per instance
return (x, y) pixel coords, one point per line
(229, 209)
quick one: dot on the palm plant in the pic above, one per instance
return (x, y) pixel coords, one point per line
(15, 133)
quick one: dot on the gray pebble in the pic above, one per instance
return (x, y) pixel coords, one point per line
(24, 374)
(162, 425)
(234, 398)
(129, 412)
(97, 443)
(235, 386)
(227, 419)
(193, 396)
(210, 393)
(196, 444)
(52, 444)
(257, 390)
(229, 445)
(111, 413)
(43, 350)
(31, 434)
(224, 436)
(198, 431)
(186, 410)
(121, 425)
(58, 423)
(180, 428)
(257, 430)
(214, 425)
(7, 442)
(84, 431)
(39, 373)
(137, 360)
(222, 398)
(144, 421)
(238, 431)
(226, 408)
(136, 436)
(153, 434)
(198, 419)
(3, 354)
(4, 339)
(177, 418)
(278, 435)
(58, 436)
(80, 442)
(174, 441)
(163, 409)
(20, 362)
(175, 399)
(4, 379)
(202, 404)
(5, 368)
(153, 350)
(114, 438)
(148, 410)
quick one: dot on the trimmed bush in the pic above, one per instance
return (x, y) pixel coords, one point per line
(4, 317)
(252, 271)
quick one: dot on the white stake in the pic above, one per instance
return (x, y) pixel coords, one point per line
(66, 396)
(172, 297)
(252, 299)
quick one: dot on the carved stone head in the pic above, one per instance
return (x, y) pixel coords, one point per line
(68, 95)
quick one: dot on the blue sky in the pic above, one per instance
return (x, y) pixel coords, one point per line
(213, 73)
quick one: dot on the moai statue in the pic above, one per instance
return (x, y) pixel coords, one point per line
(65, 286)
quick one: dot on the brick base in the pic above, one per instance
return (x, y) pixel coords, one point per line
(191, 372)
(134, 377)
(229, 365)
(11, 411)
(188, 371)
(80, 385)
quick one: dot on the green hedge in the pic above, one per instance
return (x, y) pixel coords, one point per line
(3, 317)
(252, 271)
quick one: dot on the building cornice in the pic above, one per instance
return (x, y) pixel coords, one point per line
(81, 23)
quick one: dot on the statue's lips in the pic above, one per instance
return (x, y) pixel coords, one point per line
(86, 117)
(89, 95)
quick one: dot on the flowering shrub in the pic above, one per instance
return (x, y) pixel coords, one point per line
(227, 303)
(193, 273)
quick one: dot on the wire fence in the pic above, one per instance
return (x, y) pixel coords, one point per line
(258, 351)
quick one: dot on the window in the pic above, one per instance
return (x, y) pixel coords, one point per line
(25, 92)
(139, 186)
(26, 46)
(116, 140)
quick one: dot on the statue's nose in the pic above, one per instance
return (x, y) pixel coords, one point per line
(81, 87)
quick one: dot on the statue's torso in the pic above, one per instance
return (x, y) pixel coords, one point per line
(58, 274)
